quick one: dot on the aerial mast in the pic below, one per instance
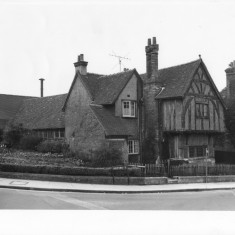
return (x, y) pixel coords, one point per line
(120, 58)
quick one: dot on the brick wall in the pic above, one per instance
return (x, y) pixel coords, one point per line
(82, 129)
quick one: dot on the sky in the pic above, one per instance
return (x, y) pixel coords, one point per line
(42, 39)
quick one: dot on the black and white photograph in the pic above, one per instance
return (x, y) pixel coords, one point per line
(117, 117)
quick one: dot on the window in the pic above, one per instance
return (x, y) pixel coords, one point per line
(197, 151)
(133, 146)
(202, 110)
(128, 108)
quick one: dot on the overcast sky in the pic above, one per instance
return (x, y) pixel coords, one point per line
(43, 38)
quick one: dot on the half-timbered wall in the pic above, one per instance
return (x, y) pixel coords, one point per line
(200, 110)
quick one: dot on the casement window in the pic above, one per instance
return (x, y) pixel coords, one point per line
(128, 108)
(197, 151)
(202, 110)
(51, 134)
(133, 146)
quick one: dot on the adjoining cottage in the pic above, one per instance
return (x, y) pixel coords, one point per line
(178, 108)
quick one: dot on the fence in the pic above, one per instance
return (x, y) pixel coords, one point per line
(188, 170)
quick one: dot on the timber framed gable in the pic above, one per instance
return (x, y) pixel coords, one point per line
(202, 105)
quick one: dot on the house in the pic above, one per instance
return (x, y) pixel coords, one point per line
(183, 105)
(43, 115)
(178, 109)
(9, 106)
(104, 109)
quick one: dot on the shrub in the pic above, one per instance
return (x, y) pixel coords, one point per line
(80, 155)
(29, 142)
(52, 146)
(13, 134)
(105, 157)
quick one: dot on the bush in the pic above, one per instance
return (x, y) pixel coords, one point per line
(52, 146)
(105, 157)
(81, 155)
(30, 142)
(12, 136)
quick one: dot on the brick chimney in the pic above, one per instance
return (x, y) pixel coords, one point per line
(81, 65)
(152, 59)
(41, 80)
(230, 79)
(152, 87)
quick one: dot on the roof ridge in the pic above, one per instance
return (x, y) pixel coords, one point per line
(96, 74)
(130, 70)
(191, 62)
(171, 67)
(19, 95)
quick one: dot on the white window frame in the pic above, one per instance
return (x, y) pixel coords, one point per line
(130, 110)
(133, 146)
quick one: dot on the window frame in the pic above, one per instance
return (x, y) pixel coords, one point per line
(133, 147)
(196, 150)
(202, 110)
(131, 108)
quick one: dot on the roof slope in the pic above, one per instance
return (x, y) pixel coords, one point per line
(110, 86)
(103, 89)
(9, 105)
(42, 113)
(115, 126)
(176, 79)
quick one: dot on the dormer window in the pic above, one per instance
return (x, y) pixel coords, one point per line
(128, 108)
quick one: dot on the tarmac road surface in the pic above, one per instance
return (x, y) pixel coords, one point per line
(220, 200)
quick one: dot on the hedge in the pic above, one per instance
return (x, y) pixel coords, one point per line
(77, 171)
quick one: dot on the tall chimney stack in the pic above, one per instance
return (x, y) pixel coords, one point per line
(152, 59)
(230, 80)
(81, 65)
(42, 80)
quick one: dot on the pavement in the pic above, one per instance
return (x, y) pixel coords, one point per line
(101, 188)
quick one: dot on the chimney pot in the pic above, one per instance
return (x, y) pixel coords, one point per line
(42, 80)
(154, 40)
(81, 65)
(152, 60)
(81, 57)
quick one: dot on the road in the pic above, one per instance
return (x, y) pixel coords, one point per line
(206, 200)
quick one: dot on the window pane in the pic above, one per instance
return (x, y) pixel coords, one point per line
(126, 108)
(132, 109)
(57, 134)
(199, 151)
(191, 151)
(197, 110)
(206, 113)
(130, 143)
(62, 134)
(136, 146)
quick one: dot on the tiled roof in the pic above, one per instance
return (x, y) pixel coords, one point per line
(103, 89)
(115, 126)
(9, 105)
(42, 113)
(176, 79)
(110, 86)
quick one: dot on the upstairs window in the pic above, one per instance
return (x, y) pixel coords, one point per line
(133, 146)
(202, 110)
(128, 108)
